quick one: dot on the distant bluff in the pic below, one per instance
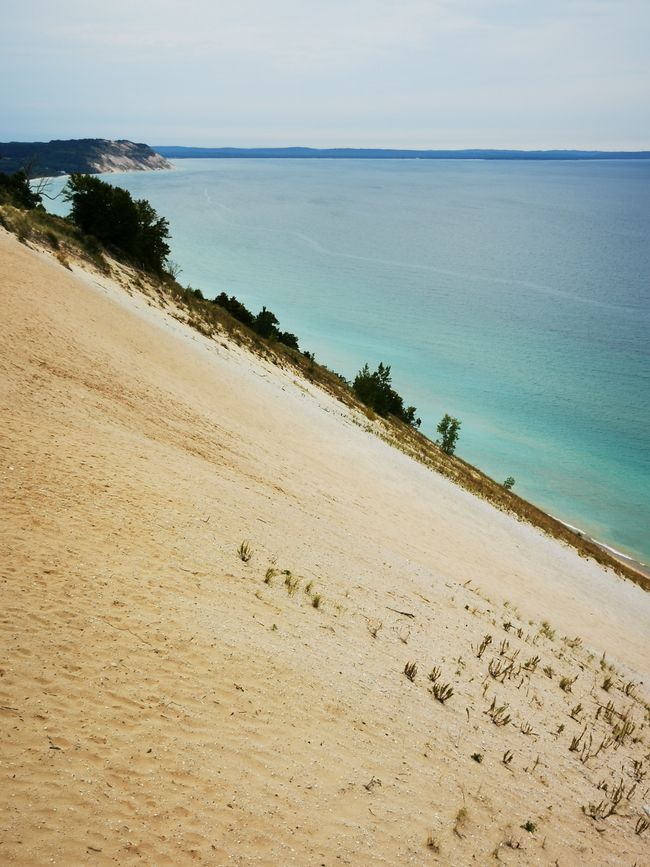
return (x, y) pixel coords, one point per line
(86, 155)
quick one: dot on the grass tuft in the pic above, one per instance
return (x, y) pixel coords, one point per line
(410, 670)
(245, 551)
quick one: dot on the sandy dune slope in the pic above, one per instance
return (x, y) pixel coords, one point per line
(163, 702)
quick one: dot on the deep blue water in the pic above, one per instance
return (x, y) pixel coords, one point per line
(513, 295)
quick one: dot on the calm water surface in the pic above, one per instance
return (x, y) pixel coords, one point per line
(513, 295)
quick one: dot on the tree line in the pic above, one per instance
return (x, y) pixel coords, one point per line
(133, 229)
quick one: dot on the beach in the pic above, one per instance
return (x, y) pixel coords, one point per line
(166, 701)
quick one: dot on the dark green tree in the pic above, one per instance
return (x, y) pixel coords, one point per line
(266, 324)
(448, 429)
(376, 391)
(108, 213)
(15, 190)
(235, 308)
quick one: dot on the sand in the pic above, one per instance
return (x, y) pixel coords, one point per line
(161, 703)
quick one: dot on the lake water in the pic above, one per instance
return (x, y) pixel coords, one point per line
(513, 295)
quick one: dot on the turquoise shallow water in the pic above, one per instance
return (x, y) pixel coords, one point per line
(513, 295)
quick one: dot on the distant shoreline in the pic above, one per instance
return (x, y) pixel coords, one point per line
(188, 152)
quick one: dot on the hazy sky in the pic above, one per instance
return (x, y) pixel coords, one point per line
(386, 73)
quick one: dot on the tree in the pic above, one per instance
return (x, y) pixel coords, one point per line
(509, 483)
(376, 391)
(448, 430)
(266, 324)
(133, 228)
(15, 190)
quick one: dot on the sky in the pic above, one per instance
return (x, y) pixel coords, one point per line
(359, 73)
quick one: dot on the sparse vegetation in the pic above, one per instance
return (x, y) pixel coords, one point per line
(433, 844)
(291, 582)
(498, 714)
(442, 692)
(547, 630)
(567, 682)
(629, 689)
(642, 825)
(374, 626)
(478, 757)
(244, 551)
(482, 647)
(460, 822)
(410, 670)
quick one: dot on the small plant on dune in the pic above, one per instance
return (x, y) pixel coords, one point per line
(575, 712)
(308, 587)
(529, 826)
(576, 741)
(500, 670)
(478, 757)
(573, 643)
(244, 551)
(316, 600)
(527, 729)
(605, 744)
(499, 715)
(546, 630)
(434, 674)
(567, 682)
(482, 647)
(607, 807)
(270, 575)
(531, 664)
(410, 670)
(548, 671)
(291, 583)
(374, 626)
(460, 822)
(433, 844)
(642, 825)
(608, 710)
(507, 758)
(442, 692)
(638, 771)
(607, 683)
(629, 689)
(511, 843)
(622, 730)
